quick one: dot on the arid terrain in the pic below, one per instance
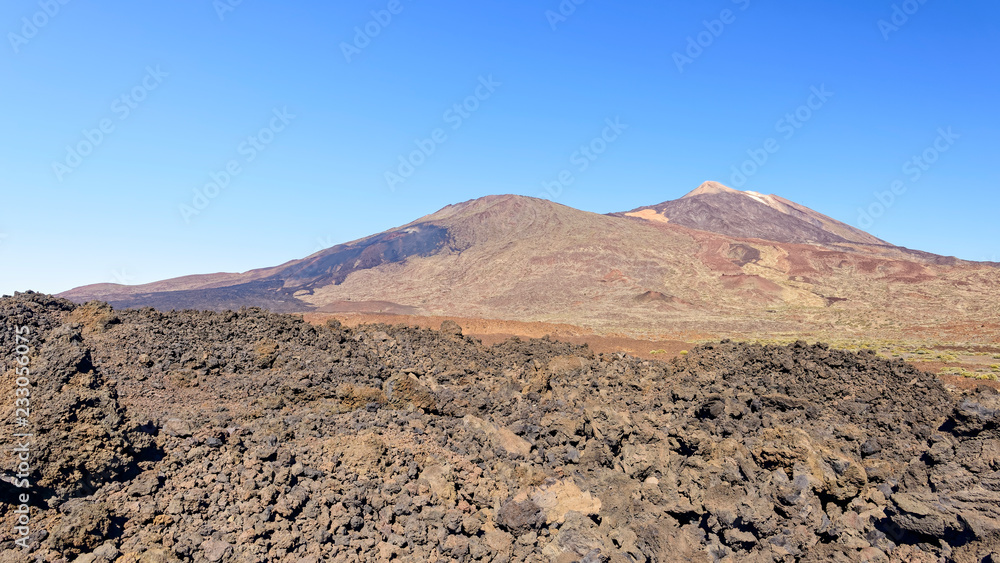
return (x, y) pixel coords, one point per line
(716, 262)
(254, 436)
(960, 353)
(729, 376)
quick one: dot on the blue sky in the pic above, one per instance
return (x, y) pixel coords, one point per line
(301, 118)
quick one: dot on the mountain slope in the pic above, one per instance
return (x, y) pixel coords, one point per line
(719, 209)
(526, 259)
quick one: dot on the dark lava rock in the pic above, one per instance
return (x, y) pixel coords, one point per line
(251, 436)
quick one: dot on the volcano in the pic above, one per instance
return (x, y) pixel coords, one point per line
(715, 258)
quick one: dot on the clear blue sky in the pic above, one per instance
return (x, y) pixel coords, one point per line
(180, 89)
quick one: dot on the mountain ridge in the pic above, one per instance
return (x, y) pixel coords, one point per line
(758, 261)
(720, 209)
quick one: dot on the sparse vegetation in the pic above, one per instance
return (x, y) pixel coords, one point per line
(970, 374)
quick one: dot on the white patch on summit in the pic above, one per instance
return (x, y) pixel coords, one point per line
(766, 200)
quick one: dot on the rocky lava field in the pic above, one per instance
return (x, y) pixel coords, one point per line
(251, 436)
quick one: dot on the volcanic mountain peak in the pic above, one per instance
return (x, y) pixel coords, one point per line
(499, 219)
(714, 188)
(503, 204)
(747, 214)
(710, 188)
